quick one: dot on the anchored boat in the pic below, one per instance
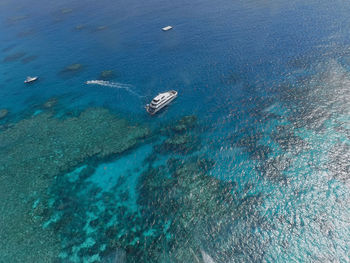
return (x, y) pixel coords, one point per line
(30, 79)
(167, 28)
(160, 101)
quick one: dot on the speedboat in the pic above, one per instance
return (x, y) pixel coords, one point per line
(30, 79)
(160, 101)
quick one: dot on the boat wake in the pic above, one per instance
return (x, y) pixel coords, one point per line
(117, 85)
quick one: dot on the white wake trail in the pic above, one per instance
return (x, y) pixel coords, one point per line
(116, 85)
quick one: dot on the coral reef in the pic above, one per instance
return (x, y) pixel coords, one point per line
(8, 48)
(71, 70)
(248, 140)
(177, 202)
(184, 144)
(74, 67)
(181, 138)
(192, 201)
(107, 75)
(339, 164)
(14, 57)
(273, 168)
(288, 141)
(28, 59)
(231, 78)
(16, 19)
(80, 203)
(26, 33)
(36, 151)
(79, 27)
(183, 125)
(50, 103)
(3, 113)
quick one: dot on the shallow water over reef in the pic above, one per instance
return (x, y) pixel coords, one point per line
(249, 164)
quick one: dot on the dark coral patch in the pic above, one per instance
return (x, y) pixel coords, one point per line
(185, 124)
(287, 140)
(72, 70)
(14, 57)
(183, 144)
(26, 33)
(3, 113)
(50, 103)
(181, 138)
(8, 48)
(339, 163)
(107, 75)
(248, 140)
(16, 19)
(28, 59)
(273, 169)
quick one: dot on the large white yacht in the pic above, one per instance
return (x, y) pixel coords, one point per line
(160, 101)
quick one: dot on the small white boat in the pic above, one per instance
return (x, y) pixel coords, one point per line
(167, 28)
(30, 79)
(160, 101)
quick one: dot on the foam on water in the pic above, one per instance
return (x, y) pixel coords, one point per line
(105, 83)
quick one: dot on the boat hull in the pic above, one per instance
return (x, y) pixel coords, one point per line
(31, 80)
(167, 28)
(153, 111)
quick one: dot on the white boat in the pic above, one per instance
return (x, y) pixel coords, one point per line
(30, 79)
(167, 28)
(160, 101)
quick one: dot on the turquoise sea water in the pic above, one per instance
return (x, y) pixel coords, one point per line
(260, 173)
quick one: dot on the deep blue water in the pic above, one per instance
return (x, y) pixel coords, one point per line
(269, 84)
